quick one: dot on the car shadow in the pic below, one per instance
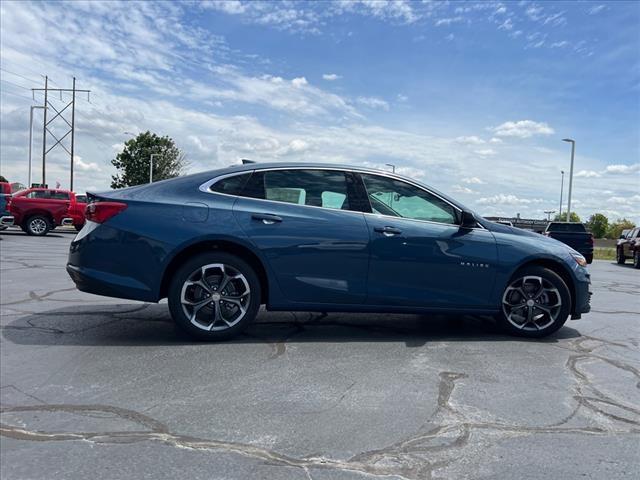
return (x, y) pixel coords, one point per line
(151, 325)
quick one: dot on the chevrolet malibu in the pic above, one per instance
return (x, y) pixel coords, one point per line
(313, 237)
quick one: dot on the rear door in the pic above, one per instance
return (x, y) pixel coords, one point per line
(419, 254)
(302, 220)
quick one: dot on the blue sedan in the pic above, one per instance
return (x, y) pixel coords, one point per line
(316, 237)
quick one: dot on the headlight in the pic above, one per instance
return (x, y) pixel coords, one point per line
(580, 260)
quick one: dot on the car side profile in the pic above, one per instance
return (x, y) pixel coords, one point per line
(628, 246)
(316, 237)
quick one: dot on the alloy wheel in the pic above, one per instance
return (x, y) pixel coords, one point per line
(38, 226)
(215, 297)
(531, 303)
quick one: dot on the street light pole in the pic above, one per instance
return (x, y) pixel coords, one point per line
(549, 212)
(31, 138)
(561, 189)
(573, 152)
(393, 167)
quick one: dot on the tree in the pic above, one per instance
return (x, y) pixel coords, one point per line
(2, 179)
(563, 218)
(616, 228)
(133, 162)
(598, 224)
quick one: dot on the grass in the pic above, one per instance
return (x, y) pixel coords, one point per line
(604, 253)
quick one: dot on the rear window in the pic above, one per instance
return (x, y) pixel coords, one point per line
(231, 185)
(566, 227)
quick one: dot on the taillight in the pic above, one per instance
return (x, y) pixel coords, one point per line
(100, 212)
(546, 234)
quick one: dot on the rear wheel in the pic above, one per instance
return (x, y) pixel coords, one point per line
(214, 296)
(589, 258)
(636, 259)
(535, 304)
(37, 225)
(620, 256)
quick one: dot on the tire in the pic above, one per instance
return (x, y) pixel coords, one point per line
(37, 226)
(620, 256)
(214, 317)
(589, 258)
(636, 259)
(541, 288)
(78, 227)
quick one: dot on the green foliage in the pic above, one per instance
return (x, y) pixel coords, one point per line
(563, 218)
(2, 179)
(616, 228)
(133, 162)
(598, 224)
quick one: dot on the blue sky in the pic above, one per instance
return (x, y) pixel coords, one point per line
(473, 98)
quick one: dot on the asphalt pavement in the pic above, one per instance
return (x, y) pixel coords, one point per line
(93, 387)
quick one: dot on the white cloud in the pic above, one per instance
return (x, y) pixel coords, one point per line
(522, 129)
(462, 189)
(622, 169)
(471, 140)
(331, 77)
(299, 82)
(448, 21)
(502, 199)
(485, 152)
(587, 174)
(85, 166)
(495, 140)
(373, 102)
(402, 98)
(472, 181)
(596, 9)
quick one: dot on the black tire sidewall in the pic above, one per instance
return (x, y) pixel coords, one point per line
(565, 296)
(181, 275)
(31, 232)
(620, 256)
(636, 259)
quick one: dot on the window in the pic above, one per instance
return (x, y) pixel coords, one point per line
(317, 188)
(399, 199)
(59, 195)
(231, 185)
(38, 194)
(81, 198)
(567, 227)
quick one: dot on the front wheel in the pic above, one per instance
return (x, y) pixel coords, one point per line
(214, 296)
(636, 259)
(535, 303)
(37, 226)
(620, 256)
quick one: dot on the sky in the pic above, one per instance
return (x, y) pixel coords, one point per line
(472, 98)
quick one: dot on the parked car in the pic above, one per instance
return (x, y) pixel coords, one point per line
(629, 247)
(6, 219)
(573, 234)
(312, 237)
(38, 210)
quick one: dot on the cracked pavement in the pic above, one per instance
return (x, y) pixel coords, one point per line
(107, 388)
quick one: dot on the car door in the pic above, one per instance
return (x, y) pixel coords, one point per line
(302, 222)
(419, 254)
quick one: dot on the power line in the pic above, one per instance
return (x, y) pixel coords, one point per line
(17, 95)
(14, 84)
(19, 75)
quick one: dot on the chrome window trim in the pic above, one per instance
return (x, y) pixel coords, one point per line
(205, 187)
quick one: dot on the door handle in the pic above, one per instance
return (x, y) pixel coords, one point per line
(267, 218)
(388, 231)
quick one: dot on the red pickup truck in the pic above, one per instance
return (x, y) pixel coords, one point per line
(38, 210)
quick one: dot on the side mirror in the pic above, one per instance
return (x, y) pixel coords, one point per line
(468, 220)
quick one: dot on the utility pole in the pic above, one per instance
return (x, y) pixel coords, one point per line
(31, 138)
(59, 113)
(561, 189)
(151, 165)
(573, 152)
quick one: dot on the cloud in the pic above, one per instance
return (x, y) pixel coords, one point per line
(331, 77)
(402, 98)
(448, 21)
(85, 166)
(522, 129)
(472, 181)
(502, 199)
(495, 140)
(462, 189)
(596, 9)
(622, 169)
(471, 140)
(299, 82)
(587, 174)
(485, 152)
(373, 102)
